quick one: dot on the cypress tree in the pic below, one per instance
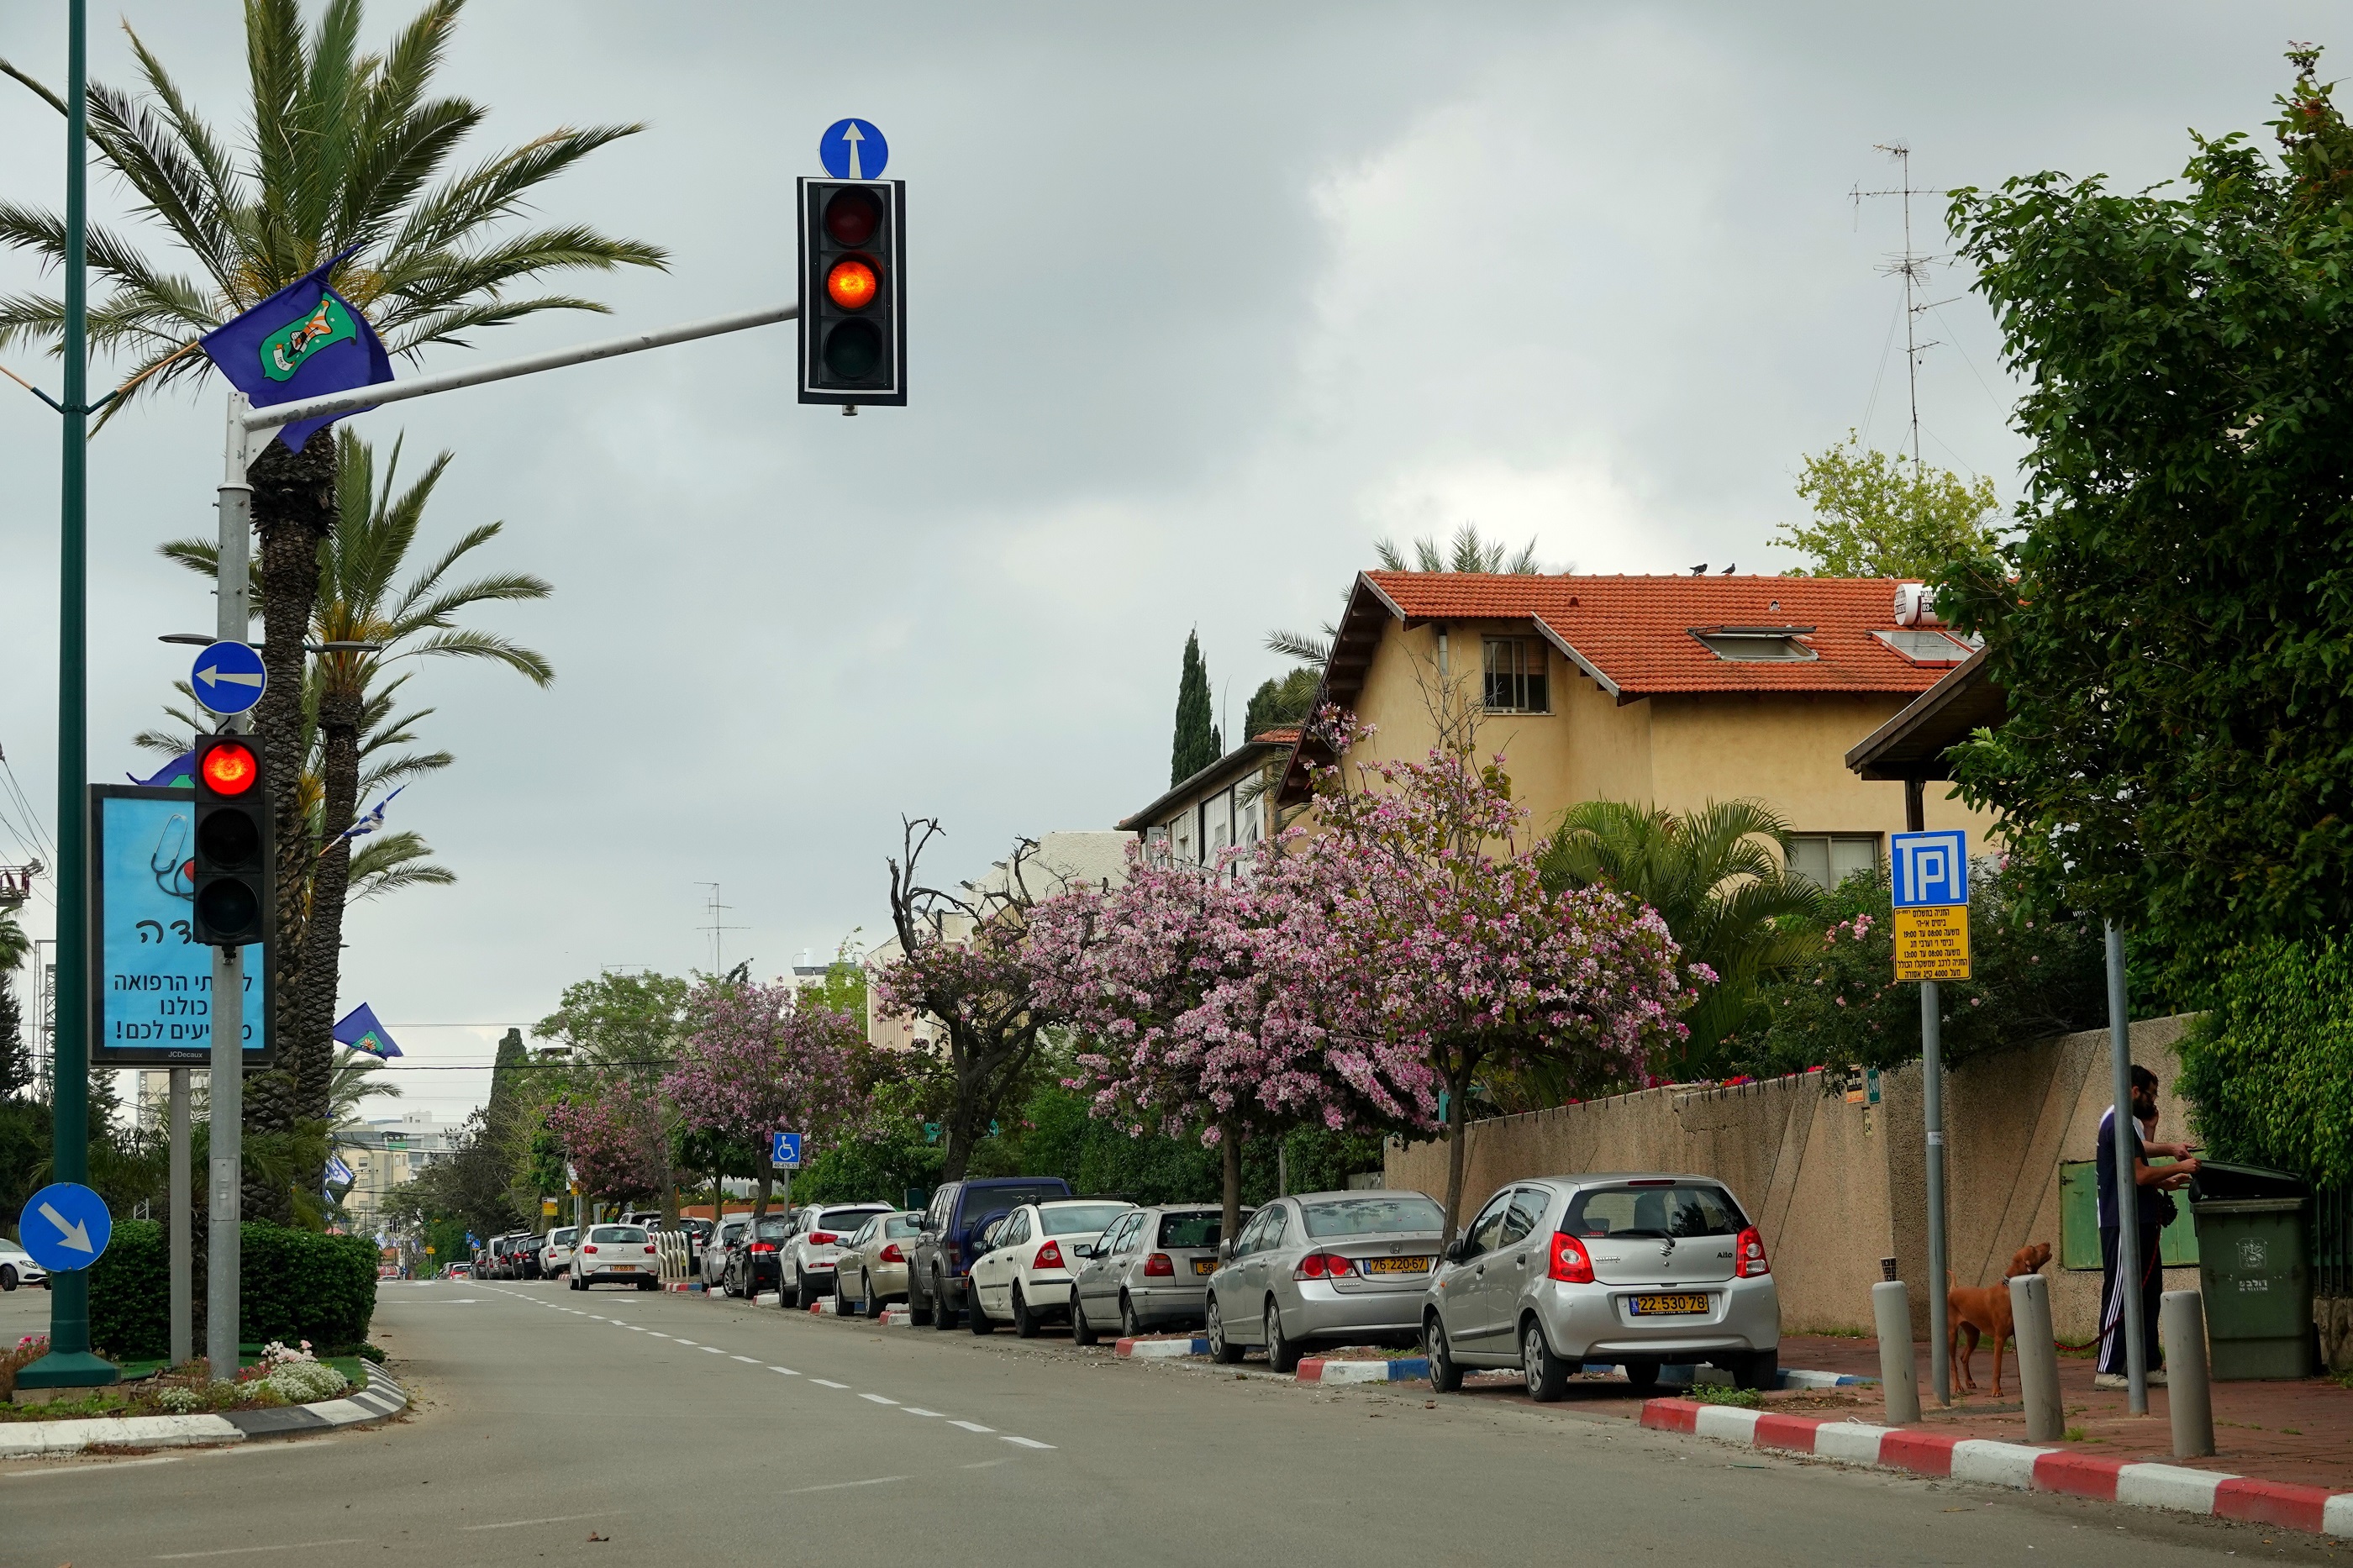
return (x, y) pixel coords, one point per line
(1197, 741)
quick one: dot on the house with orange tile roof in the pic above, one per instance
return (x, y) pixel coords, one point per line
(1669, 691)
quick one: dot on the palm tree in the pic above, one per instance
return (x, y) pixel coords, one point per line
(379, 621)
(1466, 552)
(1715, 878)
(341, 151)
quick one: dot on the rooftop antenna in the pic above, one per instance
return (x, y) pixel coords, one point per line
(717, 926)
(1913, 268)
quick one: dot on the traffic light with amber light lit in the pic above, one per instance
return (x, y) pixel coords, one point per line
(232, 867)
(853, 319)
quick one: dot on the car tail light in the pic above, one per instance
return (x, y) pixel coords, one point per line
(892, 1254)
(1321, 1265)
(1158, 1267)
(1049, 1256)
(649, 1251)
(1571, 1264)
(587, 1250)
(822, 1238)
(956, 1257)
(1749, 1251)
(756, 1246)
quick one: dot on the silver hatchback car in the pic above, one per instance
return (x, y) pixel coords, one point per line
(1324, 1268)
(1640, 1270)
(1150, 1269)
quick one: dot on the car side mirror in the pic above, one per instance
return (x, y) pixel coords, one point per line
(1458, 1249)
(1082, 1250)
(1225, 1252)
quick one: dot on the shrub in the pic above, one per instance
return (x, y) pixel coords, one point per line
(2269, 1068)
(297, 1285)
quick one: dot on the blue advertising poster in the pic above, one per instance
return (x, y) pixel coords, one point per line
(151, 1001)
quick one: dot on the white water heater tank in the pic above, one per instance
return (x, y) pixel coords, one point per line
(1916, 606)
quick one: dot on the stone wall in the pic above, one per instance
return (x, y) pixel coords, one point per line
(1836, 1187)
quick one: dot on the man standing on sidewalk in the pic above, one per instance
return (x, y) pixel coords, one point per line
(2150, 1209)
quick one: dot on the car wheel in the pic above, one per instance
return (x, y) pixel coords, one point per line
(1130, 1325)
(1762, 1370)
(7, 1278)
(1546, 1373)
(943, 1316)
(1281, 1354)
(1222, 1350)
(1082, 1332)
(1025, 1322)
(974, 1318)
(804, 1292)
(1445, 1376)
(840, 1295)
(866, 1297)
(1642, 1376)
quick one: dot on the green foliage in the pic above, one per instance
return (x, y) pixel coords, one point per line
(1879, 515)
(1466, 552)
(297, 1285)
(1277, 705)
(1713, 877)
(2175, 627)
(1197, 742)
(2269, 1068)
(843, 989)
(881, 1165)
(615, 1020)
(1843, 1007)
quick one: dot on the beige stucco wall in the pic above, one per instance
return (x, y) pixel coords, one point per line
(1836, 1187)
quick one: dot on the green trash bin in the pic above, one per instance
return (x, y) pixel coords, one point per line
(2255, 1268)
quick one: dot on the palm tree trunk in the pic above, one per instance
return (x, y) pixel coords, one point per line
(331, 875)
(294, 512)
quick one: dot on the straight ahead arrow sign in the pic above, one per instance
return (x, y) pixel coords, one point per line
(75, 1236)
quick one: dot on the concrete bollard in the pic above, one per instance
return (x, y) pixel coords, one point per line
(1899, 1373)
(2038, 1358)
(2181, 1330)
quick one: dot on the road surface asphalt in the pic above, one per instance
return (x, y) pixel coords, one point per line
(669, 1429)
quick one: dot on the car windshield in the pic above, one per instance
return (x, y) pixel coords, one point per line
(1654, 1209)
(1384, 1216)
(899, 1225)
(619, 1234)
(774, 1227)
(979, 1203)
(1079, 1219)
(1192, 1229)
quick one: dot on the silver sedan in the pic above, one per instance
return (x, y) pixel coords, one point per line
(1324, 1268)
(1639, 1270)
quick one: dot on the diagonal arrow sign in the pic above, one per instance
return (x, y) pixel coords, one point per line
(213, 675)
(75, 1236)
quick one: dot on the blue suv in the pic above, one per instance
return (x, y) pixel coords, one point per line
(940, 1268)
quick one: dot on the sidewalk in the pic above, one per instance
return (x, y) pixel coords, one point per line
(2294, 1432)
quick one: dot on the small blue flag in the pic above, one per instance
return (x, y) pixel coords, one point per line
(180, 773)
(305, 340)
(360, 1031)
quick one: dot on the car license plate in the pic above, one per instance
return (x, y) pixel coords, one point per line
(1417, 1264)
(1205, 1266)
(1668, 1306)
(624, 1269)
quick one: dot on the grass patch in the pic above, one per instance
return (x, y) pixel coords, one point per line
(2075, 1434)
(1720, 1394)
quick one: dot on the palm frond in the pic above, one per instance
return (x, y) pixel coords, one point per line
(463, 644)
(495, 189)
(53, 100)
(1299, 646)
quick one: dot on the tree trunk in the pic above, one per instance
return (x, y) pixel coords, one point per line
(963, 1120)
(339, 728)
(1458, 1082)
(760, 1185)
(294, 512)
(1229, 1154)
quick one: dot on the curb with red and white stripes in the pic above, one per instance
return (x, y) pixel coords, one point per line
(2016, 1465)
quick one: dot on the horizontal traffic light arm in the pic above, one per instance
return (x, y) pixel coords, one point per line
(279, 414)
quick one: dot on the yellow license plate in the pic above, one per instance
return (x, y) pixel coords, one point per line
(624, 1269)
(1395, 1265)
(1669, 1306)
(1205, 1266)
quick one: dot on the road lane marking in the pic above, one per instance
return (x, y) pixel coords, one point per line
(828, 1383)
(559, 1519)
(838, 1486)
(788, 1371)
(919, 1410)
(1024, 1442)
(689, 1342)
(973, 1426)
(658, 1336)
(878, 1399)
(92, 1469)
(747, 1360)
(241, 1551)
(986, 1464)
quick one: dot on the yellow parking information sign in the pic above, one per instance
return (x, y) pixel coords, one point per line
(1932, 942)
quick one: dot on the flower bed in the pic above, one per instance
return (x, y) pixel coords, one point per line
(281, 1376)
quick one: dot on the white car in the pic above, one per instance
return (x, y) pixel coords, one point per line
(1025, 1276)
(807, 1256)
(17, 1267)
(615, 1255)
(555, 1258)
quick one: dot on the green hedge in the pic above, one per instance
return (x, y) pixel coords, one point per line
(296, 1285)
(2270, 1066)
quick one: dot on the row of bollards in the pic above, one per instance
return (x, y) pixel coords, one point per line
(2181, 1327)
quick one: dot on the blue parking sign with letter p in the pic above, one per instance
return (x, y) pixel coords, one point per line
(1929, 870)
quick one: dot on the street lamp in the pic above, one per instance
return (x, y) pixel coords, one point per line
(198, 639)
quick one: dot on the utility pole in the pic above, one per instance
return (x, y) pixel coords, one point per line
(1913, 268)
(224, 1260)
(70, 1363)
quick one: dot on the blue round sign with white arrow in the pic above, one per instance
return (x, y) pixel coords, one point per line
(228, 677)
(65, 1226)
(853, 150)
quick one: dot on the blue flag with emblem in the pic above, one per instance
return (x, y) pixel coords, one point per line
(305, 340)
(359, 1029)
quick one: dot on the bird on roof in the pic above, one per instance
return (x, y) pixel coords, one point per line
(1729, 570)
(1698, 569)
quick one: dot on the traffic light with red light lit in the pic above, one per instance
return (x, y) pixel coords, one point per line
(231, 871)
(853, 339)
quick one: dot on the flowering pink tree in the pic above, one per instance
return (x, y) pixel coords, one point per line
(1160, 979)
(1417, 921)
(759, 1061)
(615, 1141)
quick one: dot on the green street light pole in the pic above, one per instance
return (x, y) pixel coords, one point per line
(70, 1363)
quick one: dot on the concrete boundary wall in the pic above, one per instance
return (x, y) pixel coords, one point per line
(1836, 1187)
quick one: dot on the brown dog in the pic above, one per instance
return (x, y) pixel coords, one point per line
(1987, 1311)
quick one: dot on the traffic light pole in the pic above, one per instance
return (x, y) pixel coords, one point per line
(226, 1195)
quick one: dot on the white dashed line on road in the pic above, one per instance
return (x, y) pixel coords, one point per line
(788, 1371)
(919, 1410)
(747, 1360)
(715, 1350)
(241, 1551)
(974, 1426)
(1024, 1442)
(828, 1383)
(878, 1399)
(838, 1486)
(519, 1523)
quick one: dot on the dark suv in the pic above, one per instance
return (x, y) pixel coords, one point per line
(939, 1263)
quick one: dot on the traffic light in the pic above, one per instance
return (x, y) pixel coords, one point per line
(232, 867)
(853, 318)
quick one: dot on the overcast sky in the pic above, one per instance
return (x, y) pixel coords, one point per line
(1205, 300)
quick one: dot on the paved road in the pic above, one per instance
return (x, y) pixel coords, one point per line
(678, 1427)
